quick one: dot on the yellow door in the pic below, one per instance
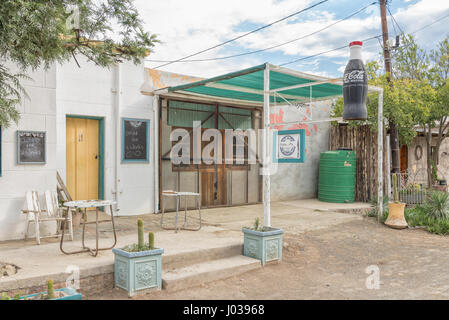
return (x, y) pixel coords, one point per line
(82, 158)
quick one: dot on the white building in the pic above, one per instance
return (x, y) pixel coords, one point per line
(82, 111)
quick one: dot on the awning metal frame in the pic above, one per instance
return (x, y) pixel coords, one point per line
(267, 93)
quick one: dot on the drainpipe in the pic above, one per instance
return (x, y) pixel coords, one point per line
(117, 101)
(156, 152)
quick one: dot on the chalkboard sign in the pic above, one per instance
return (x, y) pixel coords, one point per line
(135, 140)
(31, 147)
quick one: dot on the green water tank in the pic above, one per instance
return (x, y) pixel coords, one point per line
(337, 176)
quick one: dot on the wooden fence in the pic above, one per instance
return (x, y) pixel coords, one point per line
(363, 140)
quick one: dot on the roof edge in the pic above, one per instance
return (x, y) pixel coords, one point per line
(218, 78)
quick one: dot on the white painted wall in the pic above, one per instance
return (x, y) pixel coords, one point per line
(89, 91)
(39, 114)
(300, 180)
(69, 90)
(418, 168)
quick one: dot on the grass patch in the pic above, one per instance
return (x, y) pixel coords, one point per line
(419, 217)
(373, 211)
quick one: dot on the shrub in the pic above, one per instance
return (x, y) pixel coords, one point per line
(419, 217)
(437, 205)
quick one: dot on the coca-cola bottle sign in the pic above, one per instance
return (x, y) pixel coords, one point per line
(355, 85)
(354, 76)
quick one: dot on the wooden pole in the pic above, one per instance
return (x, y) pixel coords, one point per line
(394, 133)
(380, 142)
(266, 147)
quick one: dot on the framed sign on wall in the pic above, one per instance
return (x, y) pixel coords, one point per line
(289, 146)
(135, 140)
(31, 147)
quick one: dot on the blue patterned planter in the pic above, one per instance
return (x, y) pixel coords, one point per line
(265, 246)
(136, 271)
(71, 295)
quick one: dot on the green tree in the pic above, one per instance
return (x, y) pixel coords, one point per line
(428, 74)
(439, 76)
(37, 33)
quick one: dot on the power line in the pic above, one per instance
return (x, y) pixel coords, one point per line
(394, 21)
(328, 51)
(426, 26)
(244, 35)
(276, 46)
(368, 39)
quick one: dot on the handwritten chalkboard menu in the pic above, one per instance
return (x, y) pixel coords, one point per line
(135, 140)
(31, 146)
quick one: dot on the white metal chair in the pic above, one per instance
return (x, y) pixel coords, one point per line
(53, 213)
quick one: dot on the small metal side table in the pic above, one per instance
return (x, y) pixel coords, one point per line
(178, 196)
(84, 204)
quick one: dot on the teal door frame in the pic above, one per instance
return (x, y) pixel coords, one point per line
(100, 149)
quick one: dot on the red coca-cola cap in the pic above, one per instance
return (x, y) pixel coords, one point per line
(356, 43)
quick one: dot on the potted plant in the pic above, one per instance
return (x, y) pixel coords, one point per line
(138, 267)
(396, 209)
(262, 243)
(50, 294)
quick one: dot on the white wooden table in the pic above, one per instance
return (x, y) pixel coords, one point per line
(84, 204)
(178, 196)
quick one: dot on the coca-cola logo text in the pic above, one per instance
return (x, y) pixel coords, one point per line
(354, 76)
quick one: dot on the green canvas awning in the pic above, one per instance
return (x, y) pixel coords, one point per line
(248, 85)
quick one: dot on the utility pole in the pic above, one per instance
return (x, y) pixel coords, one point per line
(394, 133)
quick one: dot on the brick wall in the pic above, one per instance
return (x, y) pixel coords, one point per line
(89, 286)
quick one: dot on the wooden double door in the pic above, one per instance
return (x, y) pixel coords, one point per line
(213, 186)
(82, 158)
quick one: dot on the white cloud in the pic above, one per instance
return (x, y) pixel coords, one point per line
(185, 27)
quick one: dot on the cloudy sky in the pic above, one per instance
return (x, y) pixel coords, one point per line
(186, 27)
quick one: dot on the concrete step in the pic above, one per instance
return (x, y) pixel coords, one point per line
(184, 259)
(197, 274)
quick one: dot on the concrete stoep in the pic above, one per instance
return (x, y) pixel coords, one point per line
(263, 245)
(138, 271)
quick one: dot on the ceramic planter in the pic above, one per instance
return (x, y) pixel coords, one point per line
(396, 218)
(138, 271)
(71, 294)
(265, 246)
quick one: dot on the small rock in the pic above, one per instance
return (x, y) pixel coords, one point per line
(285, 245)
(10, 270)
(7, 270)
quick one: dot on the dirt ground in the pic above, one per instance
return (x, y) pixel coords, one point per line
(330, 263)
